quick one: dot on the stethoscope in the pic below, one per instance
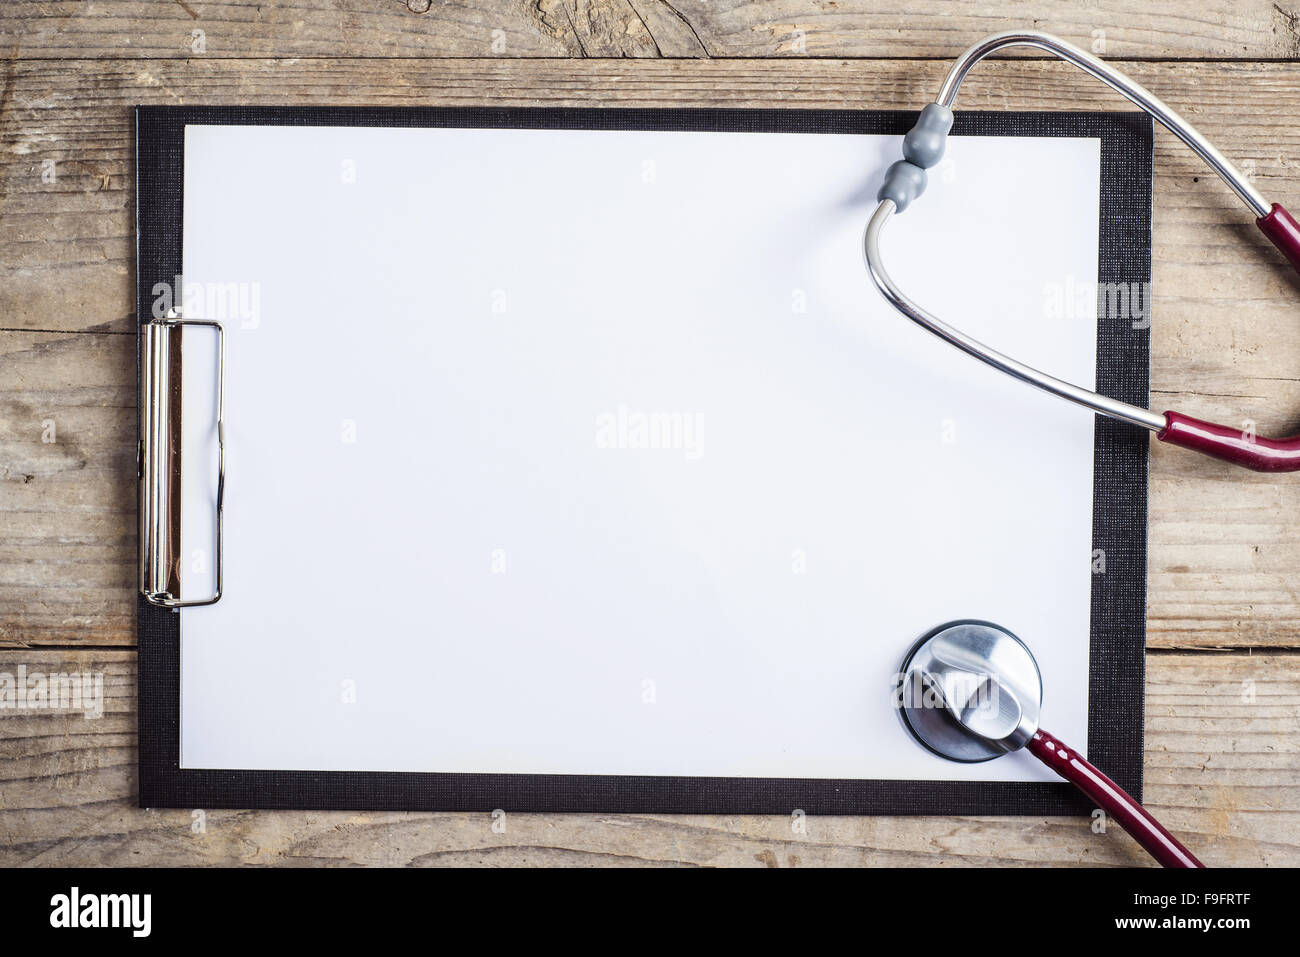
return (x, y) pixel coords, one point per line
(971, 690)
(923, 147)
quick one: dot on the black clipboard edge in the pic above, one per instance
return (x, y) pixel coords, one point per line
(1118, 609)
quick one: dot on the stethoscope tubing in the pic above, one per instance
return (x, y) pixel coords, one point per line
(1237, 445)
(1121, 84)
(1141, 825)
(1103, 405)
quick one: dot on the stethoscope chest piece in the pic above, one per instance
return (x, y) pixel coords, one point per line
(971, 691)
(976, 669)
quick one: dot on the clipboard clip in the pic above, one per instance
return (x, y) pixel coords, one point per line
(160, 462)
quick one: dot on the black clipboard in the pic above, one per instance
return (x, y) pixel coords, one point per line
(1118, 601)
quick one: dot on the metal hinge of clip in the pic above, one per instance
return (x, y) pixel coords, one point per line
(159, 521)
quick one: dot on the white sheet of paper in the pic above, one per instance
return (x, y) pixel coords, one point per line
(445, 550)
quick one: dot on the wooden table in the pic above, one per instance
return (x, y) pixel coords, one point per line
(1223, 692)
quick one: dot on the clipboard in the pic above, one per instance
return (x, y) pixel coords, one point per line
(1116, 624)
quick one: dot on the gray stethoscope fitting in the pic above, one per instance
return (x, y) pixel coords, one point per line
(923, 148)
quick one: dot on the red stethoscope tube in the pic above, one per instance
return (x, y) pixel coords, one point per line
(1240, 446)
(1112, 799)
(1283, 231)
(1237, 446)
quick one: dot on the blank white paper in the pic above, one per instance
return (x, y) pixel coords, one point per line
(598, 453)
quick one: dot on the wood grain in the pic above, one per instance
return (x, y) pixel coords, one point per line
(1223, 768)
(67, 474)
(139, 29)
(1225, 552)
(1223, 773)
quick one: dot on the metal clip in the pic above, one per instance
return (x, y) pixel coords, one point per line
(160, 460)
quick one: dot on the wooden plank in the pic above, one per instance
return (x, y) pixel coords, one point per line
(68, 242)
(67, 480)
(1223, 773)
(1254, 29)
(1225, 555)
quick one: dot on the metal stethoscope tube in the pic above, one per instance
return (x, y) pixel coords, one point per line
(1220, 441)
(1004, 363)
(1117, 81)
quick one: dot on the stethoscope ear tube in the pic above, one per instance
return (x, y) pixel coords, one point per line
(1283, 231)
(905, 181)
(1238, 446)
